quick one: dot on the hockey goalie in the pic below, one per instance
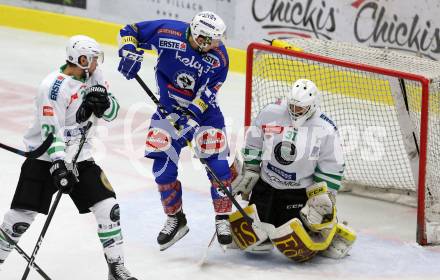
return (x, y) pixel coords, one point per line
(292, 169)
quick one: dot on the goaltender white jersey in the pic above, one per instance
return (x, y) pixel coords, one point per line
(293, 158)
(59, 97)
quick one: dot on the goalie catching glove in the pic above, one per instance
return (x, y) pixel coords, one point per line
(320, 211)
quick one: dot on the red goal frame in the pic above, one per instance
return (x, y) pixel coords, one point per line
(421, 226)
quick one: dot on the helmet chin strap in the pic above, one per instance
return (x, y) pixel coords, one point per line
(86, 69)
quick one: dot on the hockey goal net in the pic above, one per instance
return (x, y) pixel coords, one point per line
(387, 108)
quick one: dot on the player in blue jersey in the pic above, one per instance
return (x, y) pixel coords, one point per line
(191, 67)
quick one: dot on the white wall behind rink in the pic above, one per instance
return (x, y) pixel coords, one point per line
(411, 26)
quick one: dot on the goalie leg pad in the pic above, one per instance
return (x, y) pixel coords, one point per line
(171, 197)
(342, 242)
(294, 242)
(249, 237)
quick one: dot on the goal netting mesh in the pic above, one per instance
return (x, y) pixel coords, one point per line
(375, 98)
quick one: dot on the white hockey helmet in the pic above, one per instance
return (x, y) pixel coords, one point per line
(81, 45)
(210, 26)
(302, 101)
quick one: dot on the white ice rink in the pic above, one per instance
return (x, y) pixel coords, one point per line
(386, 247)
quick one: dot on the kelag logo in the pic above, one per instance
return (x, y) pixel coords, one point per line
(287, 18)
(415, 35)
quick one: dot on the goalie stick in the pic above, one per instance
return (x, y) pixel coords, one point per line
(54, 206)
(38, 152)
(24, 255)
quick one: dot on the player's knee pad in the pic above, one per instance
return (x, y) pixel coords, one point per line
(164, 171)
(17, 221)
(342, 242)
(249, 237)
(171, 197)
(211, 142)
(107, 214)
(161, 140)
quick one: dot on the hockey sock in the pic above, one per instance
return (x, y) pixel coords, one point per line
(107, 216)
(222, 203)
(15, 223)
(171, 197)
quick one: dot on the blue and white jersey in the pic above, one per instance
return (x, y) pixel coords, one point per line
(186, 77)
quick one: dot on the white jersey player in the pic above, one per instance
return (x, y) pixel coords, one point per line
(293, 166)
(66, 99)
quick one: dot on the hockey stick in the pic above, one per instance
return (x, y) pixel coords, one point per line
(202, 160)
(24, 255)
(38, 152)
(54, 206)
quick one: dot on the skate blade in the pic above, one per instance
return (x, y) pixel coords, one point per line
(181, 233)
(224, 247)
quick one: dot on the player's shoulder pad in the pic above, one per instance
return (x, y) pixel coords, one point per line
(53, 85)
(272, 112)
(171, 28)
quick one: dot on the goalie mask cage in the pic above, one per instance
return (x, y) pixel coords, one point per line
(386, 105)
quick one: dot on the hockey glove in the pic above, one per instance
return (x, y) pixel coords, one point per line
(63, 178)
(188, 127)
(131, 59)
(97, 100)
(319, 212)
(246, 180)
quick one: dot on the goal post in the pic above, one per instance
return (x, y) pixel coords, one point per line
(386, 105)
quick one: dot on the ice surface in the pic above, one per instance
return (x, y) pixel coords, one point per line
(386, 247)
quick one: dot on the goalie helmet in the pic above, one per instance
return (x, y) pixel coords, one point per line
(302, 101)
(208, 25)
(81, 45)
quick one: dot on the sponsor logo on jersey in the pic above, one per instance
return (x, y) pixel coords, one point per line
(158, 140)
(211, 141)
(47, 111)
(221, 54)
(73, 98)
(172, 44)
(327, 119)
(185, 80)
(283, 174)
(272, 129)
(211, 60)
(55, 89)
(169, 31)
(193, 63)
(285, 152)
